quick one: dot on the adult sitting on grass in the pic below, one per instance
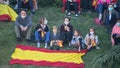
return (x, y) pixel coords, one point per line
(42, 33)
(115, 36)
(23, 26)
(91, 39)
(66, 31)
(75, 6)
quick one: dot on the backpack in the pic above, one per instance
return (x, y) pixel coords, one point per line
(5, 17)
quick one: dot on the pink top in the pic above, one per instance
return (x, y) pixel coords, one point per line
(116, 30)
(102, 1)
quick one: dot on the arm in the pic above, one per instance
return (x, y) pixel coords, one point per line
(71, 28)
(30, 22)
(61, 28)
(96, 39)
(46, 29)
(17, 22)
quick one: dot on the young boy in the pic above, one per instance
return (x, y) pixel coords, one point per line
(54, 38)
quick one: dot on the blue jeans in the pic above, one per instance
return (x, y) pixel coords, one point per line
(100, 8)
(46, 38)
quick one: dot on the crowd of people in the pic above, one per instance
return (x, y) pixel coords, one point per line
(42, 33)
(109, 15)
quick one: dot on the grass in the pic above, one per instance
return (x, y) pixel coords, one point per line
(55, 17)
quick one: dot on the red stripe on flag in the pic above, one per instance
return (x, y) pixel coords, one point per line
(27, 47)
(46, 63)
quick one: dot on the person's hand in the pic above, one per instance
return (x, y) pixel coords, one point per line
(65, 27)
(39, 29)
(44, 32)
(25, 28)
(68, 29)
(22, 28)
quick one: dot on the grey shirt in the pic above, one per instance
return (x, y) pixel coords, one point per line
(24, 22)
(54, 36)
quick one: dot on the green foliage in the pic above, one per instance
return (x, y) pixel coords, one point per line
(108, 59)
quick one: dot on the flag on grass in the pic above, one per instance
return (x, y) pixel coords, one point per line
(43, 57)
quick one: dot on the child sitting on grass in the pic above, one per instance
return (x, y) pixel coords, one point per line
(54, 37)
(91, 39)
(77, 40)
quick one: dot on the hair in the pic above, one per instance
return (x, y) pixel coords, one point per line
(78, 31)
(23, 10)
(93, 30)
(67, 18)
(42, 20)
(54, 27)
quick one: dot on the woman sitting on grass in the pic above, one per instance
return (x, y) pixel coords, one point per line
(77, 40)
(91, 39)
(54, 37)
(66, 31)
(42, 33)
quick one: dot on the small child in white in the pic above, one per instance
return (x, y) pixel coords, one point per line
(91, 39)
(77, 39)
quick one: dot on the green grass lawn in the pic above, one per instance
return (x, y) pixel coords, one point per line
(55, 17)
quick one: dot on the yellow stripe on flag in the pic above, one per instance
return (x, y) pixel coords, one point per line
(46, 56)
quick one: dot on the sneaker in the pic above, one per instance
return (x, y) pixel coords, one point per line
(69, 45)
(97, 47)
(76, 15)
(19, 39)
(38, 44)
(69, 14)
(45, 45)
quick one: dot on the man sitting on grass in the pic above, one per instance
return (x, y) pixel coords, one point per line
(23, 26)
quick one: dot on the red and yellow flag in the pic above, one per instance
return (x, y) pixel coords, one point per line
(44, 57)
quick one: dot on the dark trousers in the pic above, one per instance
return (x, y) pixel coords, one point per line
(86, 4)
(102, 7)
(66, 36)
(116, 39)
(28, 5)
(74, 4)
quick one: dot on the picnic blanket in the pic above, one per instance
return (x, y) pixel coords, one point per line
(29, 55)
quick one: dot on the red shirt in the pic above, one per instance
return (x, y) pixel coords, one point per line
(113, 1)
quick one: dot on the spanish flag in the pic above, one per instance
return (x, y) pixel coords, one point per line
(43, 57)
(5, 9)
